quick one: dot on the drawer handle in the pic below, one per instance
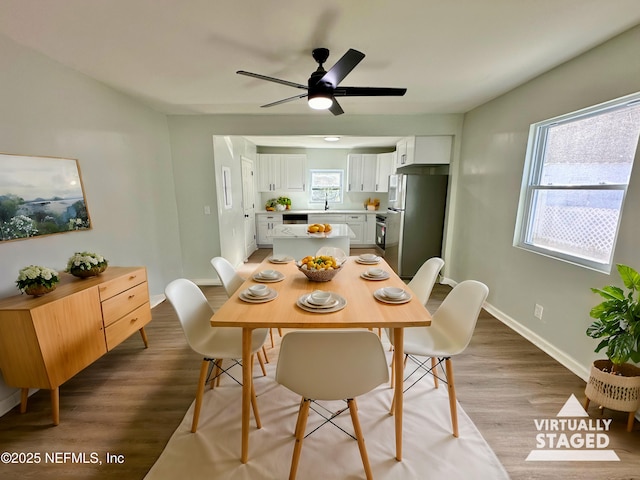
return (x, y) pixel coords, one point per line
(131, 277)
(133, 320)
(131, 296)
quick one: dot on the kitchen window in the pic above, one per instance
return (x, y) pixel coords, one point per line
(577, 171)
(326, 185)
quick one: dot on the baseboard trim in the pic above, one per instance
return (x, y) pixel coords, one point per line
(558, 355)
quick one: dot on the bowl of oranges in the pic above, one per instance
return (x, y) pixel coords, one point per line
(319, 268)
(319, 228)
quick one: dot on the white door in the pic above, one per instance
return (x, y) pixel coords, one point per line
(249, 207)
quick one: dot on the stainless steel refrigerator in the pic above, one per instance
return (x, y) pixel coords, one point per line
(415, 221)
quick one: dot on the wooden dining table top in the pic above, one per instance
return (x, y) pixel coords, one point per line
(362, 309)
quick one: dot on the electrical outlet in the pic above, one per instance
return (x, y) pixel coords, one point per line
(537, 311)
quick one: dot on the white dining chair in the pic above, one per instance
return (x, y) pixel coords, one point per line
(449, 334)
(422, 285)
(231, 281)
(214, 344)
(330, 365)
(425, 278)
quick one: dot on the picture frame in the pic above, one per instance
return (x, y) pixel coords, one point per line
(40, 196)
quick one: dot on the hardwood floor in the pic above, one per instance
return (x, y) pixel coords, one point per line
(131, 400)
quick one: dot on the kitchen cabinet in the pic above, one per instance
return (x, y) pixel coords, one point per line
(282, 172)
(44, 341)
(370, 229)
(356, 223)
(361, 172)
(385, 166)
(327, 218)
(265, 222)
(424, 150)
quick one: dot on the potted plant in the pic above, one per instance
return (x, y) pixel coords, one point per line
(86, 264)
(285, 203)
(35, 280)
(271, 204)
(615, 383)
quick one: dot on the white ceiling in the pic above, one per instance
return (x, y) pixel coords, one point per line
(180, 56)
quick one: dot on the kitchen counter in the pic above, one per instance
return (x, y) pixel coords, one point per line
(321, 212)
(295, 241)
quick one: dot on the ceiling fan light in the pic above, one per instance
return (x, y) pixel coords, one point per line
(320, 102)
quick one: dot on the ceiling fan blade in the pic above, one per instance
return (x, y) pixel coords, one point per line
(335, 108)
(343, 67)
(285, 100)
(368, 92)
(272, 79)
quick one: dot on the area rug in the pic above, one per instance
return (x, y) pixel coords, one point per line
(429, 448)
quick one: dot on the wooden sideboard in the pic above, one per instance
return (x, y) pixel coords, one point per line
(46, 340)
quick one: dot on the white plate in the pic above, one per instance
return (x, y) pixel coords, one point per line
(342, 302)
(245, 296)
(384, 276)
(259, 278)
(306, 299)
(284, 259)
(379, 295)
(367, 262)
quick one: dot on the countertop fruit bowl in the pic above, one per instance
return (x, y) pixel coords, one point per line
(321, 268)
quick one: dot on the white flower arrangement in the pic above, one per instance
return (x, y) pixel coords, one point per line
(86, 261)
(36, 275)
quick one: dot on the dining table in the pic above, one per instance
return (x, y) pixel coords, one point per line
(360, 306)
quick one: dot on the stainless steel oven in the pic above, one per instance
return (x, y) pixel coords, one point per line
(381, 232)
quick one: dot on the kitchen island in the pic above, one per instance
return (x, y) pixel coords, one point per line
(297, 242)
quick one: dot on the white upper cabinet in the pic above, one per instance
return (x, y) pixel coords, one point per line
(424, 150)
(361, 171)
(385, 167)
(282, 172)
(295, 172)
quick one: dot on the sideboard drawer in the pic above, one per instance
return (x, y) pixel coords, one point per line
(122, 283)
(116, 307)
(120, 330)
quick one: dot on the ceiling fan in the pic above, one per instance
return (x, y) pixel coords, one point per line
(323, 86)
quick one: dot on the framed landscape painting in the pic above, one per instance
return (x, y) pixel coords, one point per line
(40, 196)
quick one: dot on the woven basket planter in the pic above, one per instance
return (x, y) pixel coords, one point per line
(80, 273)
(38, 290)
(617, 392)
(320, 275)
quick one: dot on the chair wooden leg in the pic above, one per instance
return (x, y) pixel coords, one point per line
(204, 367)
(280, 332)
(353, 410)
(24, 396)
(452, 397)
(271, 336)
(301, 425)
(217, 373)
(264, 370)
(266, 357)
(254, 405)
(434, 364)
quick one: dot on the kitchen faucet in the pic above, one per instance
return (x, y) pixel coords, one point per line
(326, 204)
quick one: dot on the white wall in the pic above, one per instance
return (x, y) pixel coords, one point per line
(123, 151)
(491, 164)
(194, 162)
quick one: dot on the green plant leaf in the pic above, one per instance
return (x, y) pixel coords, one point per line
(596, 329)
(629, 276)
(610, 292)
(620, 348)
